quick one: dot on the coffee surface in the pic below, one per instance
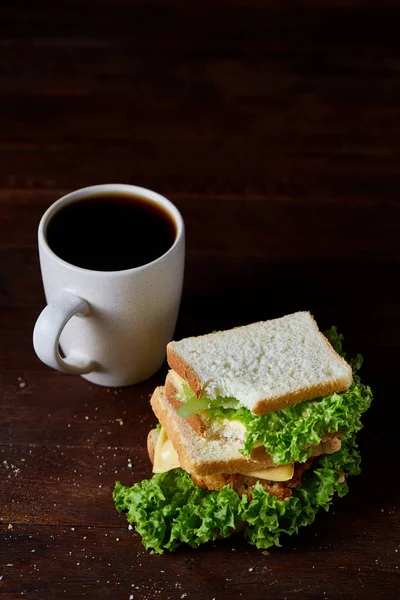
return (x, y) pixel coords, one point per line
(111, 232)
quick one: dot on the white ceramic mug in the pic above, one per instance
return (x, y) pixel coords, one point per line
(112, 326)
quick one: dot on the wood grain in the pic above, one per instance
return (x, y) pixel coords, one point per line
(275, 130)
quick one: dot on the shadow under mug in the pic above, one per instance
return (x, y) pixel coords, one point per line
(112, 325)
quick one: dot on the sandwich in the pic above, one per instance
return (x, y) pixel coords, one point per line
(256, 433)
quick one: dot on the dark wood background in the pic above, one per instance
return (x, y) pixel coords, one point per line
(275, 130)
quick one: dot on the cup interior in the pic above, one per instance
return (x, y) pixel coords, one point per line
(112, 227)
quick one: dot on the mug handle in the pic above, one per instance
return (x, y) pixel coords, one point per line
(48, 329)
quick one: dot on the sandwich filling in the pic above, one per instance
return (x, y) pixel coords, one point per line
(277, 481)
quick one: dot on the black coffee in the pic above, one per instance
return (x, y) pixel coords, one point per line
(110, 232)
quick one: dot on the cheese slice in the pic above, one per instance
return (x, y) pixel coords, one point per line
(166, 458)
(279, 473)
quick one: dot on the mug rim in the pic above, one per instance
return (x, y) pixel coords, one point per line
(86, 192)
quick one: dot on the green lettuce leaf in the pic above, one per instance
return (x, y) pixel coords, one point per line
(193, 405)
(288, 434)
(267, 517)
(169, 510)
(336, 340)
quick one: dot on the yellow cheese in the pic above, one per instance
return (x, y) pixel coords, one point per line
(280, 473)
(165, 456)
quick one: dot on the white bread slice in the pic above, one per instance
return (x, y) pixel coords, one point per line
(266, 366)
(218, 451)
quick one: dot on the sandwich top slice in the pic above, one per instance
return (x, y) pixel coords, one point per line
(265, 366)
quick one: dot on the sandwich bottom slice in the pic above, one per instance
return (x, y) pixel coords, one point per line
(205, 488)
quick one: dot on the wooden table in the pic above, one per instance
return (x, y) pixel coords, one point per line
(275, 131)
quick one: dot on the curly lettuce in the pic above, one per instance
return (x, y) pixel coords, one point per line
(169, 510)
(289, 434)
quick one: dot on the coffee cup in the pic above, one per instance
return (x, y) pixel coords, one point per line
(112, 264)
